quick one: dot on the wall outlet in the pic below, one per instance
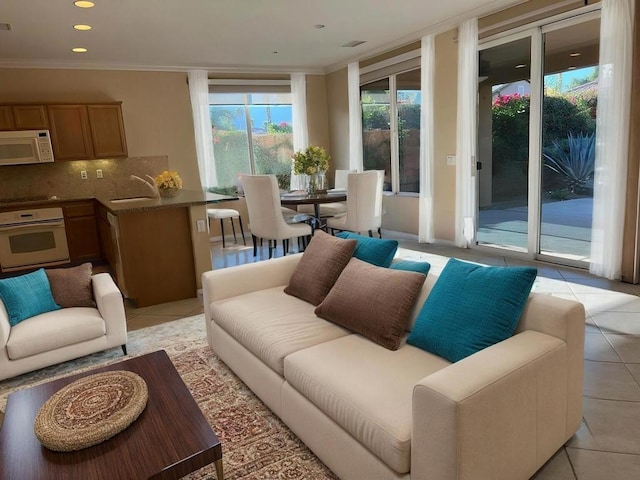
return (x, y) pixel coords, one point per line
(202, 227)
(99, 173)
(83, 175)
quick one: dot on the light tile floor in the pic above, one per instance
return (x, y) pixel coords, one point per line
(608, 442)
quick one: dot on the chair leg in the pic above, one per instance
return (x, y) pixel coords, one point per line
(380, 232)
(233, 227)
(124, 348)
(285, 246)
(270, 249)
(244, 240)
(222, 228)
(255, 244)
(371, 233)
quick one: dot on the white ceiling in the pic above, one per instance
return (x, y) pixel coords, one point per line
(219, 34)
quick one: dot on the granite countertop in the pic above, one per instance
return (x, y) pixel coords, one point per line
(184, 198)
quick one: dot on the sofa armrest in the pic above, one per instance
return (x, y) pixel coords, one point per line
(110, 304)
(500, 413)
(5, 326)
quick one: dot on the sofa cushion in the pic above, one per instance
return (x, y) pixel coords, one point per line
(411, 266)
(372, 398)
(272, 324)
(71, 287)
(53, 330)
(376, 251)
(26, 295)
(320, 266)
(373, 301)
(471, 307)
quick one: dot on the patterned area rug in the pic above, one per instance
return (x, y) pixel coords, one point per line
(255, 443)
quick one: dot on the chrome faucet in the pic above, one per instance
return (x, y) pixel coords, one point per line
(151, 185)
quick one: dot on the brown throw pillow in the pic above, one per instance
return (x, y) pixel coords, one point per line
(320, 267)
(375, 302)
(71, 287)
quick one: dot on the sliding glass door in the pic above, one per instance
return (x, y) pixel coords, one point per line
(536, 140)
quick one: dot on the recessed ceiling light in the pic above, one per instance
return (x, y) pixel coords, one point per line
(82, 27)
(79, 50)
(84, 4)
(319, 25)
(522, 65)
(275, 51)
(574, 54)
(354, 43)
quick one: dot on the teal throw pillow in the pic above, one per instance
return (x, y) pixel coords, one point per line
(411, 266)
(26, 296)
(376, 251)
(471, 307)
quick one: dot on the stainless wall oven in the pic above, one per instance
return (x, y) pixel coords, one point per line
(32, 238)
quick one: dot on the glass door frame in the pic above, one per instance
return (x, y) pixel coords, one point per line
(535, 31)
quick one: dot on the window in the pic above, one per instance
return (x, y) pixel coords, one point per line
(252, 133)
(391, 129)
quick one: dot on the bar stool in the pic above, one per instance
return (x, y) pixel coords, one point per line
(221, 214)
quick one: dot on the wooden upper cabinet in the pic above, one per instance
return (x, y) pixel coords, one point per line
(107, 131)
(30, 117)
(70, 132)
(6, 118)
(23, 117)
(87, 131)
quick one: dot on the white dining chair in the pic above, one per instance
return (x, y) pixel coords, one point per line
(266, 220)
(364, 204)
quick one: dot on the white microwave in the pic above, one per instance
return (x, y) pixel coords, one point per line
(25, 146)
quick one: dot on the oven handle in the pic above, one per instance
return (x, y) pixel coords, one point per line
(54, 223)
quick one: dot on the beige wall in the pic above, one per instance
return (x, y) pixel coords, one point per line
(155, 106)
(338, 101)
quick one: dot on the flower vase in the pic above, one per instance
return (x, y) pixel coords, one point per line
(168, 192)
(317, 183)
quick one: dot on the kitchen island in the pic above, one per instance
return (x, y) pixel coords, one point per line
(148, 244)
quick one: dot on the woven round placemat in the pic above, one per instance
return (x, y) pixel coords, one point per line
(90, 410)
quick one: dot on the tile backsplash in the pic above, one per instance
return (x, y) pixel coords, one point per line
(63, 178)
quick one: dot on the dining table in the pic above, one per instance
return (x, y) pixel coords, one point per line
(316, 199)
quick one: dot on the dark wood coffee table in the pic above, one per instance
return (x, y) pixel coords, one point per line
(170, 439)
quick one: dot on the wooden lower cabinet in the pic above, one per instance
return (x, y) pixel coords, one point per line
(82, 232)
(155, 256)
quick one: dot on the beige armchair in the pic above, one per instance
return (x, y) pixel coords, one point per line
(364, 204)
(266, 219)
(65, 334)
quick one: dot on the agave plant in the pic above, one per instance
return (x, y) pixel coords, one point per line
(576, 162)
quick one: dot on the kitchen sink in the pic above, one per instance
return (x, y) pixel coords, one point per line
(132, 199)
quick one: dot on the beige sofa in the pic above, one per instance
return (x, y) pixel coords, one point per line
(371, 413)
(65, 334)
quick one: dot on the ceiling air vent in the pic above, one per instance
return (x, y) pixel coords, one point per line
(354, 43)
(5, 26)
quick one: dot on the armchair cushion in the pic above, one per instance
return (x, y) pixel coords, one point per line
(373, 301)
(376, 251)
(71, 287)
(27, 295)
(471, 307)
(320, 267)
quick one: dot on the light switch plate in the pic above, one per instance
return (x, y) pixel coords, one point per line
(202, 227)
(451, 159)
(99, 173)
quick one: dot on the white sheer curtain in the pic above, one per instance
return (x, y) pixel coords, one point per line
(427, 71)
(355, 118)
(466, 132)
(199, 94)
(299, 112)
(612, 137)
